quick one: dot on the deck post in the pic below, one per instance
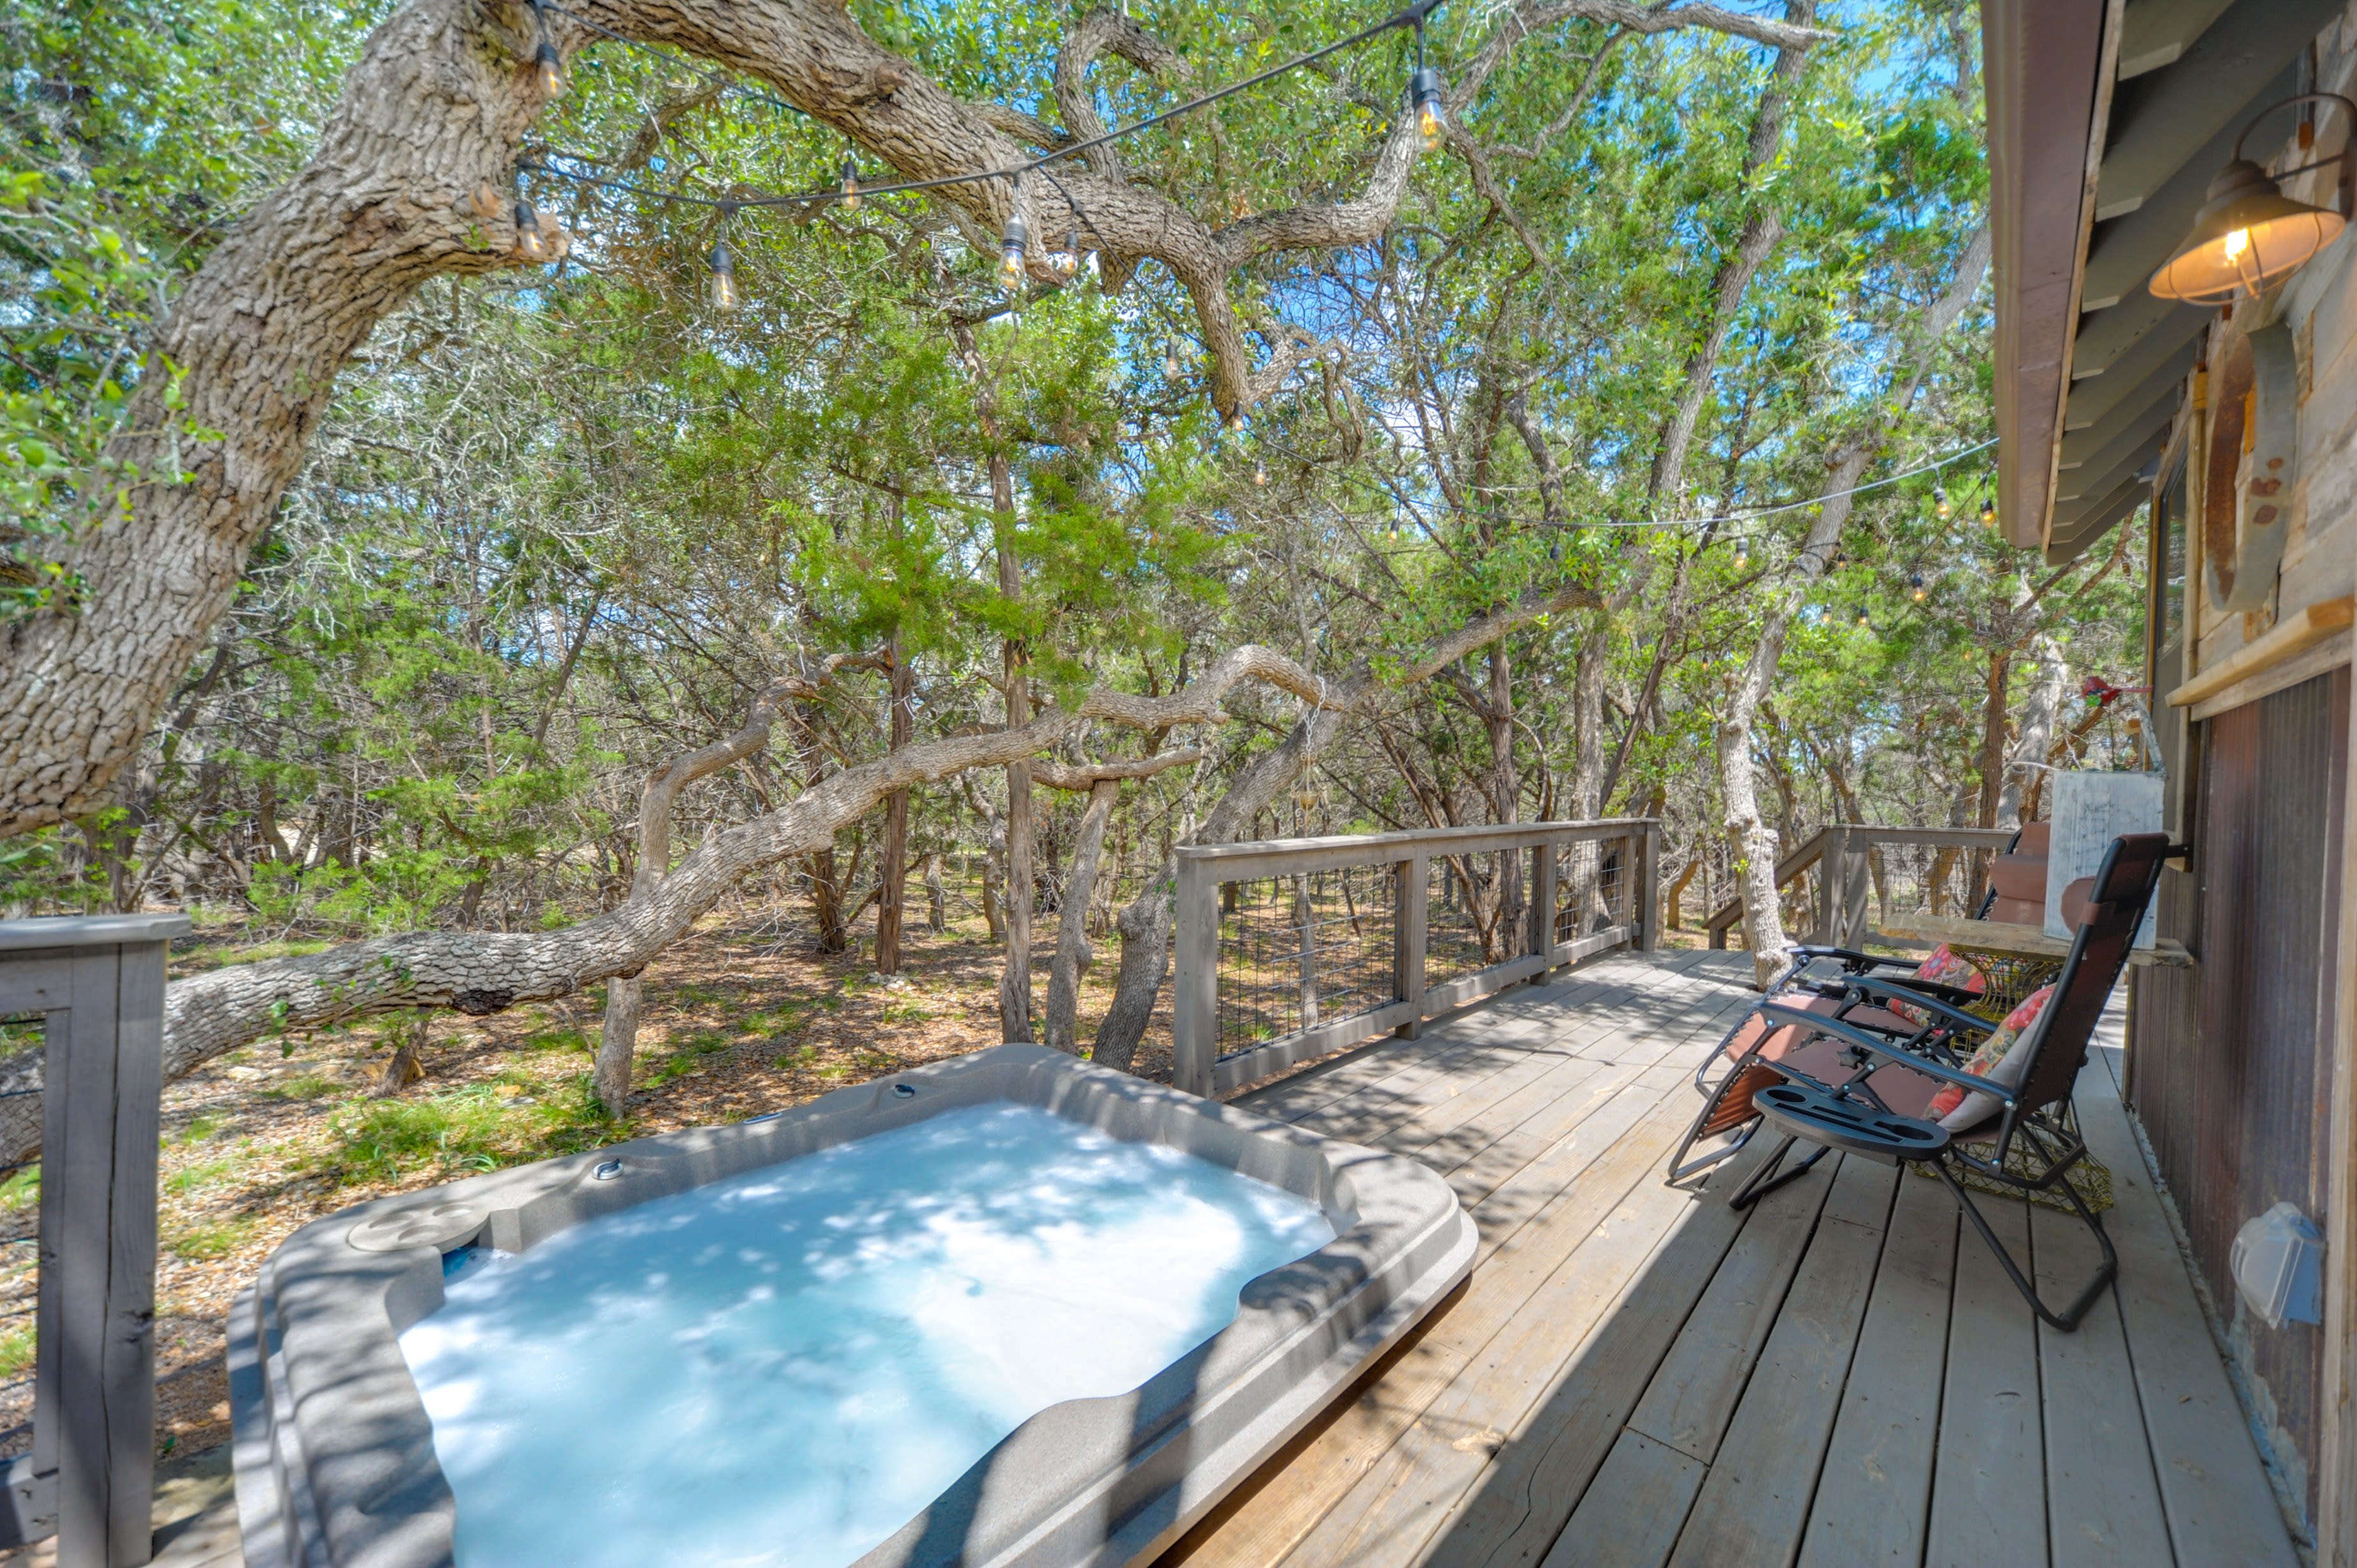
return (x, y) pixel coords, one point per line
(98, 982)
(1542, 896)
(1831, 862)
(1195, 983)
(1407, 941)
(1648, 887)
(1857, 881)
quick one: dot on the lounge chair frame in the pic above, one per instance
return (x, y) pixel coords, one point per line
(2034, 1115)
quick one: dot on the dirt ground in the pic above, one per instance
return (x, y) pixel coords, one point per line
(256, 1143)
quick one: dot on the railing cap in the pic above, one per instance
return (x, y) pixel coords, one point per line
(1528, 832)
(90, 931)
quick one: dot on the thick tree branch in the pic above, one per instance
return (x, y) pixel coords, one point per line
(1088, 776)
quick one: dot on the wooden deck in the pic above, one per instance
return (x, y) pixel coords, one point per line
(1637, 1375)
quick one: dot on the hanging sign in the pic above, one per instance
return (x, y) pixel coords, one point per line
(2090, 809)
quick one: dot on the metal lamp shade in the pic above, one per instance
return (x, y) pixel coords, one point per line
(2247, 233)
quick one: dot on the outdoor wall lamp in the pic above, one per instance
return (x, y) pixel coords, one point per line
(2249, 232)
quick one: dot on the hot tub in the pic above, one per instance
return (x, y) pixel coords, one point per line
(446, 1315)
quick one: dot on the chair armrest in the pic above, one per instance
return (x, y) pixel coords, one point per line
(1938, 990)
(1856, 963)
(1836, 1030)
(1915, 996)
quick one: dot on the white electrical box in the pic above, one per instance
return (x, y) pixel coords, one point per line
(2278, 1263)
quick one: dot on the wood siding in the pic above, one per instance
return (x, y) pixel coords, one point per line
(2227, 1073)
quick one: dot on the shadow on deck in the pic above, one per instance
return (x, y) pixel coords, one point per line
(1636, 1374)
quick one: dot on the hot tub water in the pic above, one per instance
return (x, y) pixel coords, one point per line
(784, 1366)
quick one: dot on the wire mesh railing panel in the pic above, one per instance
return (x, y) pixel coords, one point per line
(1300, 950)
(1594, 883)
(1925, 879)
(1476, 913)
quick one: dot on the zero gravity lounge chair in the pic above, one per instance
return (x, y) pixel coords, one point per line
(2023, 1101)
(1749, 1059)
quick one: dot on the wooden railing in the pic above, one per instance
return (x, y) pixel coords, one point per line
(1292, 948)
(1848, 871)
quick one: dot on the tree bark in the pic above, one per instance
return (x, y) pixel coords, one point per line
(1022, 892)
(937, 914)
(1753, 842)
(892, 894)
(1072, 953)
(2047, 688)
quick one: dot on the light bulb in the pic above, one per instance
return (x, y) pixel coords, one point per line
(1988, 514)
(1742, 558)
(1920, 593)
(1861, 618)
(1423, 90)
(549, 70)
(1260, 472)
(2237, 241)
(720, 281)
(1066, 262)
(850, 185)
(530, 243)
(1011, 241)
(1939, 502)
(1171, 366)
(1236, 419)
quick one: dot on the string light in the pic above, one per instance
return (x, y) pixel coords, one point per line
(1413, 16)
(1940, 506)
(1236, 419)
(530, 243)
(1988, 513)
(1172, 367)
(1742, 557)
(1430, 118)
(546, 65)
(1862, 618)
(1424, 92)
(1011, 241)
(1260, 472)
(1920, 593)
(850, 184)
(720, 281)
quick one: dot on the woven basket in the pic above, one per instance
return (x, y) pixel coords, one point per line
(2090, 1179)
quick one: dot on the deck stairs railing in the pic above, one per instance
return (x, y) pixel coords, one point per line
(1288, 949)
(1852, 878)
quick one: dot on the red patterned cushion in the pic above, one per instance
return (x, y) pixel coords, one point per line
(1998, 1060)
(1943, 968)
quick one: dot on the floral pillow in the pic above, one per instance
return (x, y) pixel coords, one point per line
(1943, 968)
(2000, 1058)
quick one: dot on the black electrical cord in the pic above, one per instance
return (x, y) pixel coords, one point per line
(1413, 16)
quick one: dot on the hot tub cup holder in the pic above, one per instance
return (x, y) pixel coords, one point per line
(904, 1091)
(608, 1170)
(441, 1226)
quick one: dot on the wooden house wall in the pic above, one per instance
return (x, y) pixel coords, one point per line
(2231, 1065)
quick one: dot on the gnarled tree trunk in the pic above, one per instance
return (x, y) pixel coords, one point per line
(1073, 954)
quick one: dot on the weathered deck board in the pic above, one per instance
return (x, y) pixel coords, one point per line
(1636, 1374)
(1757, 1498)
(1874, 1491)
